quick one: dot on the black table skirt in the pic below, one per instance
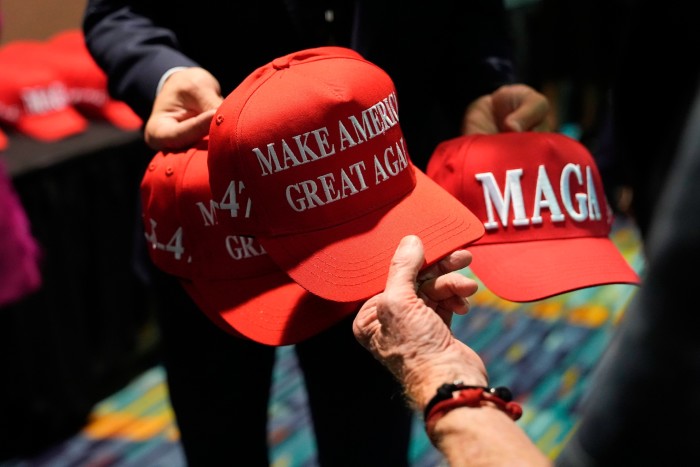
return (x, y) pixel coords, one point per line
(89, 329)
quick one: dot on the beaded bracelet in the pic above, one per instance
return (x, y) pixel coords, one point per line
(468, 396)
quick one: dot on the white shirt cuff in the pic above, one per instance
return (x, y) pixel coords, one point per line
(166, 75)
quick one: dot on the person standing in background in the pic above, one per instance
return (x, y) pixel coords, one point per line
(624, 419)
(174, 62)
(20, 253)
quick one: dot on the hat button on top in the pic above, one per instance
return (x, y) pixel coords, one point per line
(281, 62)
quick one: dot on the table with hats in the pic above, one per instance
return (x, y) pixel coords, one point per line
(74, 158)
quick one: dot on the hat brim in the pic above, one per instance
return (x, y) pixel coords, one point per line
(120, 115)
(350, 262)
(53, 126)
(529, 271)
(269, 309)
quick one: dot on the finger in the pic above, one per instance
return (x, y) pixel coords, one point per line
(449, 285)
(168, 133)
(479, 117)
(529, 113)
(454, 303)
(457, 305)
(365, 324)
(211, 101)
(455, 261)
(458, 259)
(408, 259)
(192, 88)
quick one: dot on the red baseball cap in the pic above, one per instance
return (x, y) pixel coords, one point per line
(308, 154)
(33, 98)
(540, 197)
(67, 53)
(230, 277)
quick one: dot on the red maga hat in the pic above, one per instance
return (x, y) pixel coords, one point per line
(541, 200)
(67, 53)
(309, 156)
(230, 277)
(34, 99)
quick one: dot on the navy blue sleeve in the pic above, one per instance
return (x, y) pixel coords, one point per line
(132, 50)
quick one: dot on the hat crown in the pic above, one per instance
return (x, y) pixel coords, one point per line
(525, 185)
(305, 134)
(181, 223)
(229, 277)
(308, 156)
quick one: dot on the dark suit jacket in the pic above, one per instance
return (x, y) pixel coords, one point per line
(441, 54)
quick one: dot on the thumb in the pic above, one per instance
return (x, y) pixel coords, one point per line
(407, 261)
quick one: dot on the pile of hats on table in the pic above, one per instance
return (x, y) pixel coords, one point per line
(50, 89)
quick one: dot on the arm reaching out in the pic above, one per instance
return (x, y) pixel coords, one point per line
(406, 327)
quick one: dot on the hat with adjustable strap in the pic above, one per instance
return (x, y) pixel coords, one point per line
(308, 154)
(541, 200)
(230, 277)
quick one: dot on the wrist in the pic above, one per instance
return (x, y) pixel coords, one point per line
(484, 436)
(424, 391)
(422, 380)
(450, 396)
(167, 75)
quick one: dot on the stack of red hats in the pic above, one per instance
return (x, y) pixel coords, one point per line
(33, 98)
(51, 88)
(86, 81)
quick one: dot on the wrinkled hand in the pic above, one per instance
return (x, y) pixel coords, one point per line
(406, 327)
(513, 107)
(183, 109)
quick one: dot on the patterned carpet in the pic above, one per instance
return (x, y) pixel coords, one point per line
(544, 351)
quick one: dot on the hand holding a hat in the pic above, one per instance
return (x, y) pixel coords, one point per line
(513, 107)
(406, 327)
(183, 109)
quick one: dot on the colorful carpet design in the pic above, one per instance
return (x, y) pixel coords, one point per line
(544, 351)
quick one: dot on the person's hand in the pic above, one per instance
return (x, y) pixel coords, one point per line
(406, 327)
(513, 107)
(183, 109)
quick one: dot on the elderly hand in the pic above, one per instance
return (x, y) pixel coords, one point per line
(513, 107)
(406, 327)
(183, 109)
